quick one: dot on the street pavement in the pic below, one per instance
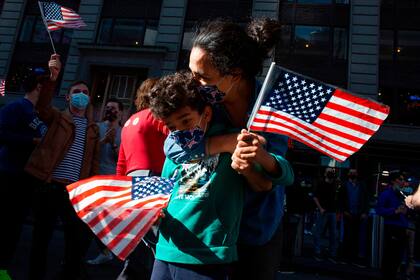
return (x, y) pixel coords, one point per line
(306, 266)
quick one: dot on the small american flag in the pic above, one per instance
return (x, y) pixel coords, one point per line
(2, 87)
(322, 116)
(120, 210)
(57, 16)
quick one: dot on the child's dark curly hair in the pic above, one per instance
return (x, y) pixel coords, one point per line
(174, 92)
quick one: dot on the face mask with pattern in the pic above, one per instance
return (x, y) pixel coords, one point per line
(188, 139)
(211, 94)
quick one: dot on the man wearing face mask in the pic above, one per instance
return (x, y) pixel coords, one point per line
(20, 131)
(325, 199)
(110, 136)
(392, 208)
(69, 152)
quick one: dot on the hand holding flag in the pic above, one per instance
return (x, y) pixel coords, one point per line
(54, 64)
(326, 118)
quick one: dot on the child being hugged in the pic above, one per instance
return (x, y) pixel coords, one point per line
(200, 227)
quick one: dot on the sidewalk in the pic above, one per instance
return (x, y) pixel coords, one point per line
(306, 266)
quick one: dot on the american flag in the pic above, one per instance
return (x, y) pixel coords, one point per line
(57, 16)
(2, 87)
(120, 210)
(319, 115)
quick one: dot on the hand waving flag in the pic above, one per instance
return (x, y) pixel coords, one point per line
(326, 118)
(120, 210)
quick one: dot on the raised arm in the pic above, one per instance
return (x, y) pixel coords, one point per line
(44, 106)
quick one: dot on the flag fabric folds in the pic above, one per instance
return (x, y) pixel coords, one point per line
(2, 87)
(324, 117)
(120, 209)
(57, 16)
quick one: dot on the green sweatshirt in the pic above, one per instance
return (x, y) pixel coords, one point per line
(201, 223)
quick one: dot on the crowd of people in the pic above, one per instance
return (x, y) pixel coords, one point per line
(343, 211)
(224, 215)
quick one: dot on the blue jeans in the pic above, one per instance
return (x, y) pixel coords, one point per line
(173, 271)
(327, 219)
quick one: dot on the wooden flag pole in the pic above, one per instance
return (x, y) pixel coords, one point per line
(46, 26)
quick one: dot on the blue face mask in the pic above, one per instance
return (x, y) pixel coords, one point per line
(188, 139)
(211, 94)
(79, 100)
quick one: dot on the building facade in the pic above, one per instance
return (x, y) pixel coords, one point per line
(367, 46)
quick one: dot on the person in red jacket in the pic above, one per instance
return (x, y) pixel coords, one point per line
(141, 154)
(142, 138)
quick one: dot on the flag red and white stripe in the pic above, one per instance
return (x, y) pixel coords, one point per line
(2, 87)
(106, 205)
(57, 16)
(328, 119)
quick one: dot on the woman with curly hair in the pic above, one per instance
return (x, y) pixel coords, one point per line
(225, 59)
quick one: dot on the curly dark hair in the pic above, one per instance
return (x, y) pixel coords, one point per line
(174, 92)
(231, 47)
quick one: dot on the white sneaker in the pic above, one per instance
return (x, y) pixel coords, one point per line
(101, 259)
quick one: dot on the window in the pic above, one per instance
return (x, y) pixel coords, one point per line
(123, 87)
(386, 43)
(311, 40)
(27, 29)
(340, 43)
(399, 62)
(33, 47)
(318, 1)
(408, 48)
(201, 10)
(33, 29)
(105, 27)
(150, 34)
(128, 31)
(314, 1)
(129, 23)
(314, 39)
